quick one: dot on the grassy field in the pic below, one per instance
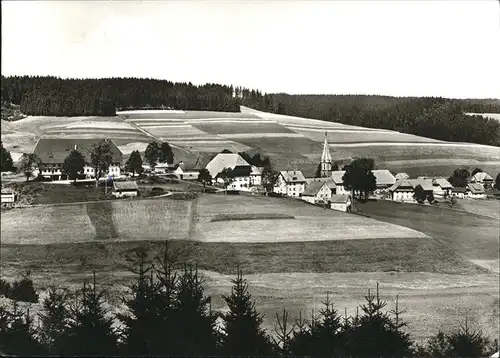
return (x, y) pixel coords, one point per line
(64, 244)
(472, 236)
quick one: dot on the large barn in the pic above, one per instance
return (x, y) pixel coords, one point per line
(53, 151)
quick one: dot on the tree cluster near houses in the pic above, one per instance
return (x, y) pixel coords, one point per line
(168, 314)
(52, 96)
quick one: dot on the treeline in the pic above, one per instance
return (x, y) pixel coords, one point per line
(102, 97)
(168, 314)
(432, 117)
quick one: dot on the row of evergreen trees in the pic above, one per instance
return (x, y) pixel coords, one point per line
(102, 97)
(168, 314)
(432, 117)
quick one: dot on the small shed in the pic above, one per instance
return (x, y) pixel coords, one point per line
(340, 203)
(125, 189)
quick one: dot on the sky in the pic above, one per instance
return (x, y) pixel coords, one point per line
(400, 48)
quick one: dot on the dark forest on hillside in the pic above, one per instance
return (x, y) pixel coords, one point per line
(432, 117)
(51, 96)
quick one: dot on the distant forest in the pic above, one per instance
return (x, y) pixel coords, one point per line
(432, 117)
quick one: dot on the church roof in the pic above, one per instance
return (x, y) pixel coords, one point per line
(325, 157)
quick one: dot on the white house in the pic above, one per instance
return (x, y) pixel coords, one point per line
(164, 168)
(341, 203)
(317, 192)
(125, 189)
(339, 183)
(53, 151)
(402, 190)
(8, 196)
(240, 178)
(475, 191)
(256, 175)
(291, 183)
(225, 160)
(482, 178)
(441, 187)
(184, 173)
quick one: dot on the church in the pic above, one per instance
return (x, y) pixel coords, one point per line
(326, 160)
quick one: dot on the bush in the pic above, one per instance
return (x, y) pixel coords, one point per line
(157, 190)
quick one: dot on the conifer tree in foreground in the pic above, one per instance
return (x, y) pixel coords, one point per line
(243, 333)
(90, 330)
(54, 320)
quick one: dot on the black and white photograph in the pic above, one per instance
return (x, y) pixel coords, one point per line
(249, 178)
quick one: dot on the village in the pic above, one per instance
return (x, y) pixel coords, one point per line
(230, 173)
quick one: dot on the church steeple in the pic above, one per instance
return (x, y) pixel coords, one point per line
(326, 159)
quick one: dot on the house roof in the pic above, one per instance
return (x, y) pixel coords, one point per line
(241, 171)
(54, 150)
(125, 185)
(426, 184)
(337, 176)
(459, 189)
(293, 176)
(384, 177)
(257, 170)
(402, 183)
(313, 188)
(443, 183)
(479, 177)
(339, 199)
(402, 176)
(225, 160)
(476, 188)
(329, 181)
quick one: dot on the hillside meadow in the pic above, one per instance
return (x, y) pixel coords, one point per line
(290, 142)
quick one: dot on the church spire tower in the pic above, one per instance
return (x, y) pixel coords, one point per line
(326, 160)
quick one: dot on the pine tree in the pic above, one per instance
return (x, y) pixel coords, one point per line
(90, 331)
(6, 163)
(243, 333)
(73, 165)
(134, 162)
(54, 320)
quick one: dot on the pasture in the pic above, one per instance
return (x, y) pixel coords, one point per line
(285, 268)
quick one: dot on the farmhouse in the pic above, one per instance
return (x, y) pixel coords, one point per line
(475, 191)
(184, 173)
(240, 178)
(317, 192)
(482, 178)
(441, 187)
(53, 151)
(384, 178)
(459, 192)
(290, 183)
(163, 168)
(402, 190)
(256, 176)
(339, 183)
(125, 189)
(341, 203)
(225, 160)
